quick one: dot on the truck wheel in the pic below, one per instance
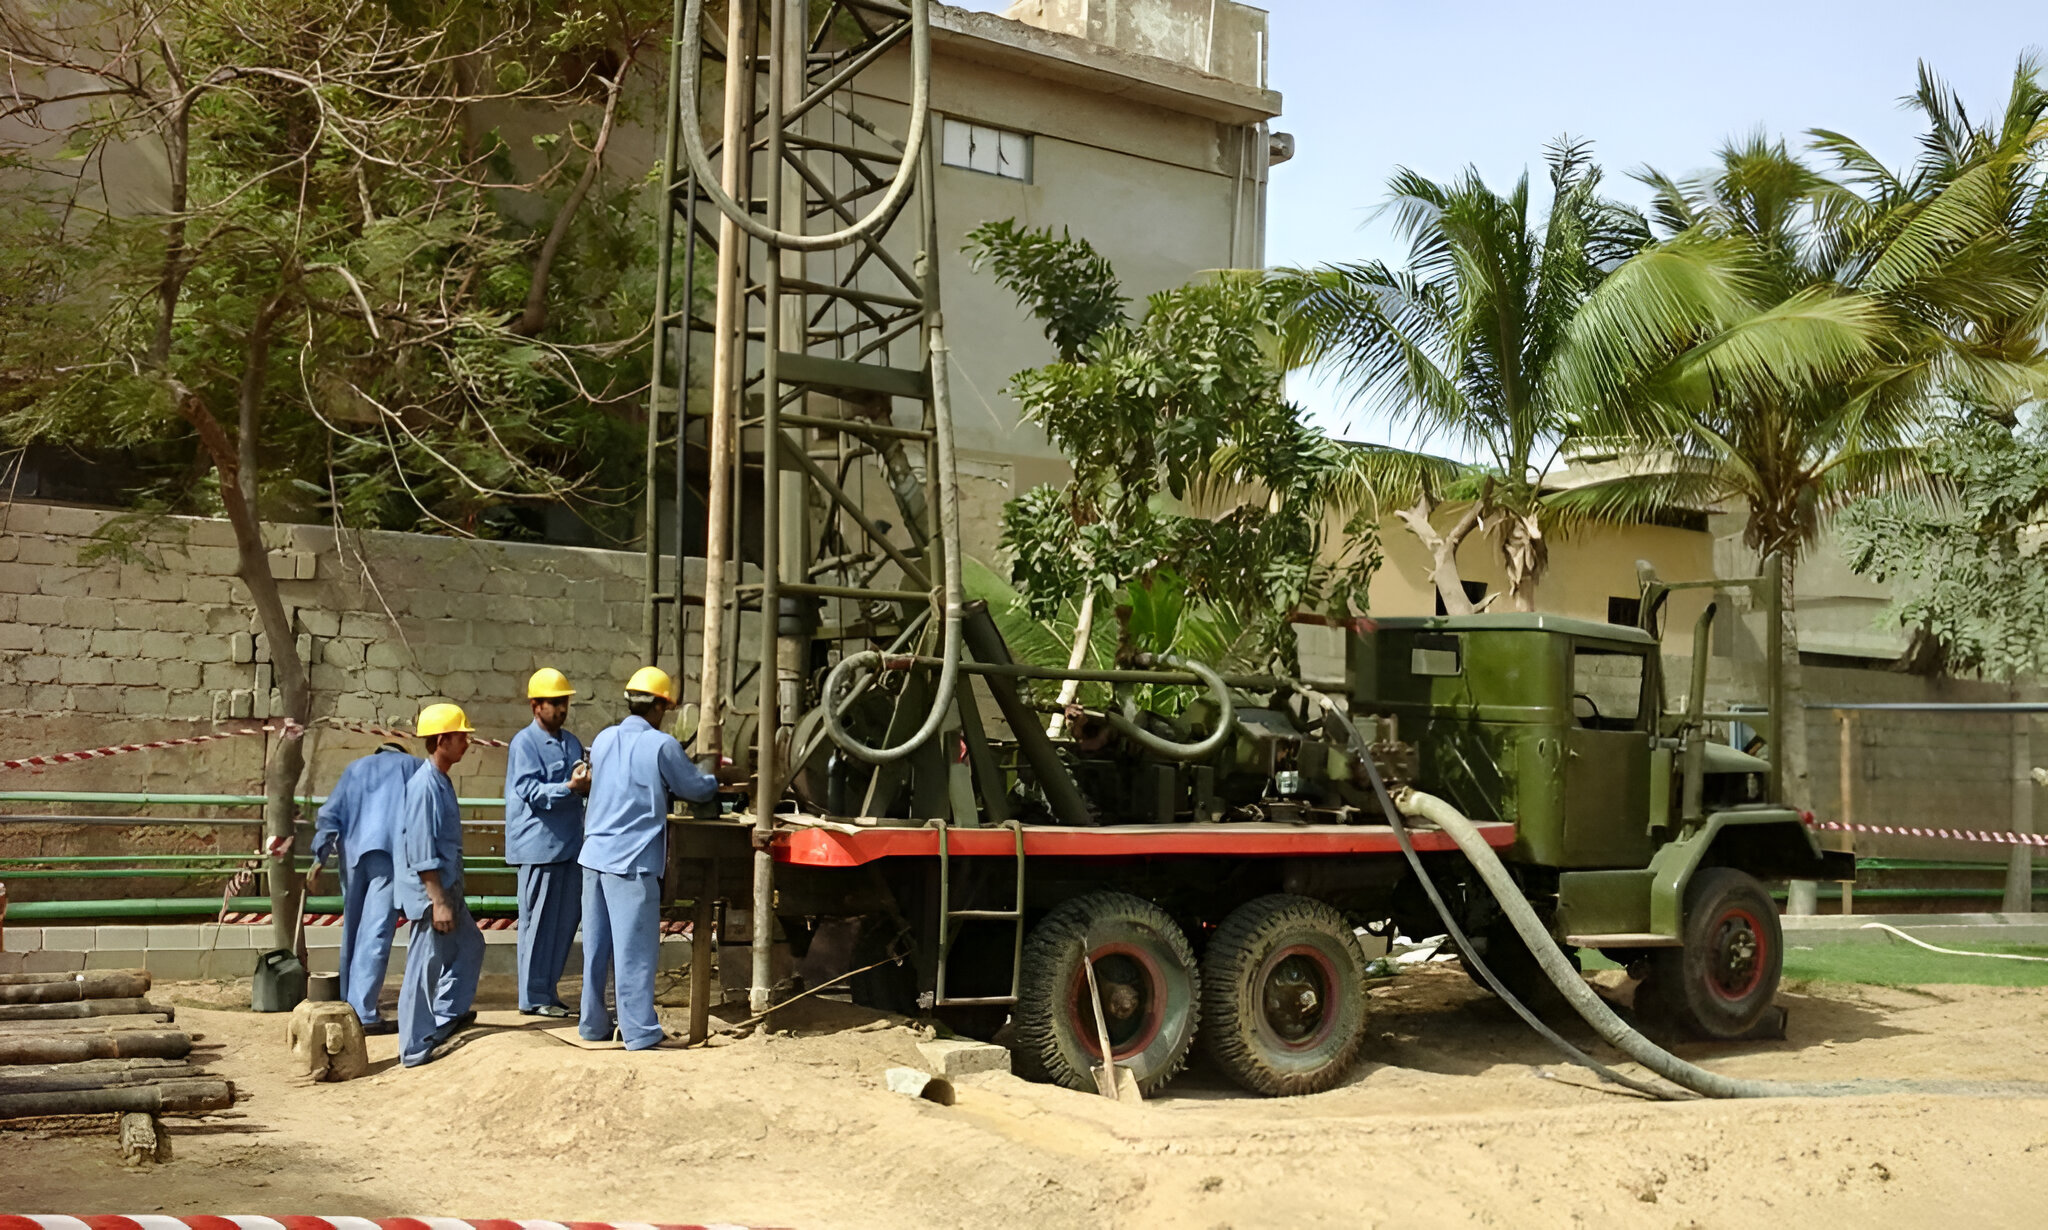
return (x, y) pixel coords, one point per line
(1283, 995)
(1150, 992)
(1720, 984)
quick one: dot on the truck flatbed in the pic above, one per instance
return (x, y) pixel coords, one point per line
(814, 841)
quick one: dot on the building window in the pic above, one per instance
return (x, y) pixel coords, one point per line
(992, 151)
(1628, 612)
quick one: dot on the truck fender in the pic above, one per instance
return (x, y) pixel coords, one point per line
(1770, 843)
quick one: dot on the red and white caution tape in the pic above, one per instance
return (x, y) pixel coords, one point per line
(1991, 837)
(388, 733)
(289, 729)
(289, 1222)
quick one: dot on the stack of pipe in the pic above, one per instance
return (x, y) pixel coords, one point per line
(89, 1043)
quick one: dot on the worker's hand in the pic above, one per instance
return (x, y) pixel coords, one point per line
(443, 917)
(579, 778)
(728, 773)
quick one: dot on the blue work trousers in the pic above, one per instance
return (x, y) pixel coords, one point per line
(622, 934)
(550, 906)
(368, 920)
(440, 983)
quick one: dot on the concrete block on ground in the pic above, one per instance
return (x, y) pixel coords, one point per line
(70, 939)
(53, 961)
(323, 937)
(23, 939)
(912, 1083)
(13, 962)
(116, 958)
(173, 937)
(176, 964)
(953, 1058)
(135, 939)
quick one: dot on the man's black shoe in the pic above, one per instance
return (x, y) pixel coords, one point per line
(376, 1028)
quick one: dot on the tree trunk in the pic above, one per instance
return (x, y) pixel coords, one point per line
(534, 317)
(1443, 550)
(1524, 557)
(287, 752)
(1084, 630)
(1794, 774)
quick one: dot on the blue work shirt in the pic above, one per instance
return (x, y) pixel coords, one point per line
(363, 811)
(634, 769)
(543, 817)
(430, 841)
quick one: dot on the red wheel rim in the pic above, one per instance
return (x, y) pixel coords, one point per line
(1284, 1016)
(1738, 952)
(1124, 964)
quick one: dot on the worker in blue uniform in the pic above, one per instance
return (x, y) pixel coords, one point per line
(360, 821)
(546, 780)
(445, 953)
(635, 770)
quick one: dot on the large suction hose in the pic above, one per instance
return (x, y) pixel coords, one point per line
(1583, 999)
(899, 187)
(1127, 721)
(953, 596)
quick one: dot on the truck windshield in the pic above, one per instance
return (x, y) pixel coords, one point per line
(1607, 687)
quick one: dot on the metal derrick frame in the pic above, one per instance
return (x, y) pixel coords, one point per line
(765, 297)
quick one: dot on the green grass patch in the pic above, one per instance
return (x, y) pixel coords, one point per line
(1895, 963)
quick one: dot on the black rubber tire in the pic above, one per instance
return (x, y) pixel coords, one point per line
(1295, 938)
(1134, 943)
(1725, 978)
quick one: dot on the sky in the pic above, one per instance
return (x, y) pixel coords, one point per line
(1371, 85)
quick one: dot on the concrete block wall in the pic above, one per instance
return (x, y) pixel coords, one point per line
(165, 646)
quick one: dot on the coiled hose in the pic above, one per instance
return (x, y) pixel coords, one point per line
(1127, 721)
(952, 597)
(899, 187)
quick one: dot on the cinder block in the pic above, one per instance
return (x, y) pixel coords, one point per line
(953, 1057)
(323, 937)
(116, 958)
(136, 672)
(173, 937)
(242, 647)
(136, 938)
(18, 638)
(178, 674)
(144, 701)
(23, 939)
(175, 964)
(241, 703)
(97, 699)
(93, 672)
(64, 642)
(319, 623)
(13, 962)
(34, 608)
(53, 961)
(38, 669)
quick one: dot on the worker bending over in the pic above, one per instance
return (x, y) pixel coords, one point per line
(446, 954)
(635, 768)
(361, 818)
(545, 782)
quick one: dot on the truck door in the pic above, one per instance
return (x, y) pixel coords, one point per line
(1607, 759)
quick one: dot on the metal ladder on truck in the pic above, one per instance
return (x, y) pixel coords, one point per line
(950, 920)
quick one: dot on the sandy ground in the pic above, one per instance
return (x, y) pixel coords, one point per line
(1457, 1116)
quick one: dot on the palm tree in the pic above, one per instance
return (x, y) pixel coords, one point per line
(1793, 333)
(1466, 341)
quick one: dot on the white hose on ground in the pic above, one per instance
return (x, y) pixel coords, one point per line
(1948, 952)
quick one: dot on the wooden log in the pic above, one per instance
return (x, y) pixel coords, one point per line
(126, 1005)
(144, 1142)
(184, 1097)
(17, 980)
(92, 984)
(84, 1025)
(90, 1067)
(10, 1083)
(73, 1048)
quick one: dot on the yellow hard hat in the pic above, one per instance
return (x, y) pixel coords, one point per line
(547, 683)
(653, 681)
(442, 720)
